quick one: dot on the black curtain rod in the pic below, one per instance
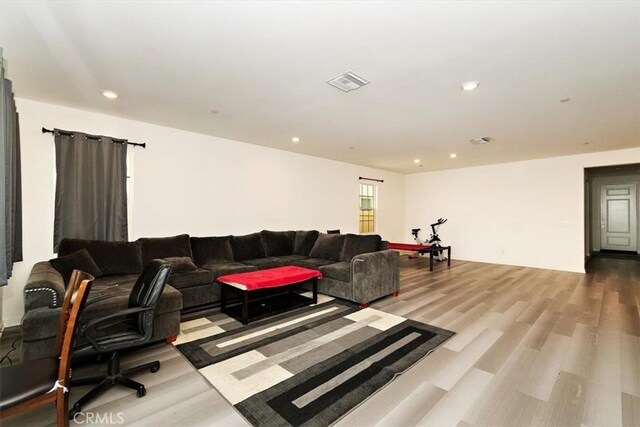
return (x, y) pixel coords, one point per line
(118, 141)
(371, 179)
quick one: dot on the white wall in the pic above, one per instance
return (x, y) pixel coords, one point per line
(191, 183)
(527, 213)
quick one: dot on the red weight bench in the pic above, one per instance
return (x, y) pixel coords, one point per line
(423, 249)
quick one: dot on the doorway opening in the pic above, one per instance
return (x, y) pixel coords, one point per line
(612, 211)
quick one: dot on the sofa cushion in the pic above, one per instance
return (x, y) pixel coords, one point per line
(113, 258)
(328, 246)
(191, 278)
(312, 263)
(180, 264)
(337, 271)
(355, 244)
(277, 243)
(268, 262)
(222, 268)
(290, 259)
(304, 241)
(247, 247)
(207, 250)
(164, 247)
(80, 260)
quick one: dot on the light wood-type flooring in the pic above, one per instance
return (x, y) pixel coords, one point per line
(533, 347)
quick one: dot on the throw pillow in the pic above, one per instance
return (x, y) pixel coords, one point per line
(328, 246)
(80, 260)
(164, 247)
(355, 244)
(304, 241)
(180, 264)
(113, 258)
(209, 250)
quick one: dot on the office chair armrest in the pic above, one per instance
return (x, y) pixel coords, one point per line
(92, 324)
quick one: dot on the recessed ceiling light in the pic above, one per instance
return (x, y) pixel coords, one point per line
(295, 139)
(416, 161)
(453, 155)
(109, 94)
(467, 86)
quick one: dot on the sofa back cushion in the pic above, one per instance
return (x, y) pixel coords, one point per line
(80, 260)
(210, 250)
(278, 243)
(355, 244)
(247, 247)
(164, 247)
(304, 241)
(113, 258)
(328, 246)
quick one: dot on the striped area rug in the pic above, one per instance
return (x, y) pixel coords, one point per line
(310, 366)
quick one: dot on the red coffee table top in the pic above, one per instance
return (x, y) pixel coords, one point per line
(269, 278)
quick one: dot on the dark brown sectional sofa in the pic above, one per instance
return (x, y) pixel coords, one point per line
(359, 268)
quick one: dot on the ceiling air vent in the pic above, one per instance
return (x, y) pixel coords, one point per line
(480, 141)
(347, 82)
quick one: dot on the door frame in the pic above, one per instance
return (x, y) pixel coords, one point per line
(592, 212)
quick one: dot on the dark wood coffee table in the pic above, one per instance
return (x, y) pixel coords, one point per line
(266, 292)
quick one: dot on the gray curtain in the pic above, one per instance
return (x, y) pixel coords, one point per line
(10, 181)
(91, 187)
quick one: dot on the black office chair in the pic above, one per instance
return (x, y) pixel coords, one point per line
(133, 326)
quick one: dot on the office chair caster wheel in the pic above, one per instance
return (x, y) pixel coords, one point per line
(155, 368)
(74, 411)
(142, 392)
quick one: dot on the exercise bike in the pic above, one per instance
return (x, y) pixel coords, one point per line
(434, 239)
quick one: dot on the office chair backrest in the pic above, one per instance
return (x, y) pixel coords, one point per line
(147, 290)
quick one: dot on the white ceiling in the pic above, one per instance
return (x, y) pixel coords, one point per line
(263, 66)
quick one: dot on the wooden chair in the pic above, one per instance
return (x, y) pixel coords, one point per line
(33, 383)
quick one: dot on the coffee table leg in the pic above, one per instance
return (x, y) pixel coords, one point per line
(431, 260)
(449, 257)
(245, 307)
(315, 290)
(223, 305)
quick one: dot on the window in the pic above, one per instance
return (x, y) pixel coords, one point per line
(367, 208)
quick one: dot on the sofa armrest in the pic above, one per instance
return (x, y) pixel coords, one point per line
(375, 275)
(44, 288)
